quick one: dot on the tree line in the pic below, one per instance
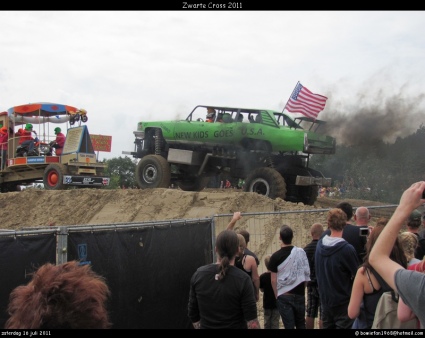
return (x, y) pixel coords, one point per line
(376, 171)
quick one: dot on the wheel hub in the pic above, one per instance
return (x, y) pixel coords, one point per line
(260, 186)
(149, 174)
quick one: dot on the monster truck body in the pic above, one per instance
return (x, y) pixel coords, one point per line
(268, 149)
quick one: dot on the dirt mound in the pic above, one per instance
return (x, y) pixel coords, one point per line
(40, 208)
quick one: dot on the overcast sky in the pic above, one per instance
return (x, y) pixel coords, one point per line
(124, 67)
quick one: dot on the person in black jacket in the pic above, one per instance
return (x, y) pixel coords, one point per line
(313, 298)
(221, 296)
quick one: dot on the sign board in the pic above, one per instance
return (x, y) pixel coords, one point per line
(101, 142)
(78, 140)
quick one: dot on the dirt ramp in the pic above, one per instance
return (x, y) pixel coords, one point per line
(39, 208)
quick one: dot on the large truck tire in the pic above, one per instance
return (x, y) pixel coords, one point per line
(309, 194)
(153, 171)
(53, 177)
(196, 184)
(266, 181)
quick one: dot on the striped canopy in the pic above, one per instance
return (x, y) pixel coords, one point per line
(41, 109)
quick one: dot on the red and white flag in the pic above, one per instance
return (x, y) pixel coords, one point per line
(305, 102)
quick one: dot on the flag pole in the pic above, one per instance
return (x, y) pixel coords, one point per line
(290, 96)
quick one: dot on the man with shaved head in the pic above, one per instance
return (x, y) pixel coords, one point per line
(362, 216)
(361, 219)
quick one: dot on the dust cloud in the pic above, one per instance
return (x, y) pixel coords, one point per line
(376, 117)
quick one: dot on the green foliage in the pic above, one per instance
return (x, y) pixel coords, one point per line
(379, 171)
(121, 171)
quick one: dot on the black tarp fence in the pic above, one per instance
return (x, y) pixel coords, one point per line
(147, 266)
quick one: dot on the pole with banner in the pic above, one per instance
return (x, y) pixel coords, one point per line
(291, 95)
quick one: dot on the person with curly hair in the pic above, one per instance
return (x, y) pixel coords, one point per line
(64, 296)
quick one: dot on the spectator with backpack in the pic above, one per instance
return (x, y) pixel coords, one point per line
(367, 288)
(410, 285)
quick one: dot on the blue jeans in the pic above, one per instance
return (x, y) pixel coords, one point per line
(30, 144)
(292, 311)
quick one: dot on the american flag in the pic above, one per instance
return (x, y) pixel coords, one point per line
(305, 102)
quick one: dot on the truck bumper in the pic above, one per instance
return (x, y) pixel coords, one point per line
(91, 181)
(309, 180)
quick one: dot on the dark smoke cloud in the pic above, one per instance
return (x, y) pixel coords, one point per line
(365, 123)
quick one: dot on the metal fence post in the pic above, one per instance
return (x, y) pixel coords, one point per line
(62, 246)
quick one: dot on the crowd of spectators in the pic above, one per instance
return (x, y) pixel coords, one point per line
(342, 271)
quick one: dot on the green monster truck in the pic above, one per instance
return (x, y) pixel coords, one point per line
(267, 149)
